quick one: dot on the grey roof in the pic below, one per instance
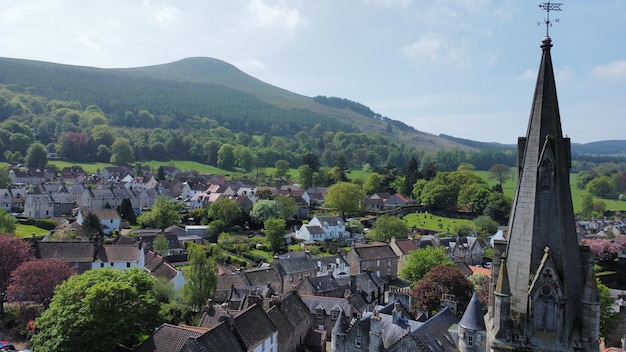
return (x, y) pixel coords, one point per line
(473, 318)
(331, 220)
(254, 326)
(434, 332)
(169, 338)
(375, 252)
(220, 338)
(328, 283)
(67, 251)
(327, 303)
(296, 265)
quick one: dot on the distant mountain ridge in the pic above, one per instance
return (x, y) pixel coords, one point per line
(201, 86)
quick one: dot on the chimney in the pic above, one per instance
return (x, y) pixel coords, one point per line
(352, 284)
(397, 312)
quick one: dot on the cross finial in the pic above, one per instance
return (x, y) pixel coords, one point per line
(547, 7)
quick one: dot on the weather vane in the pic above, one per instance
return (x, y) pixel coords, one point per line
(547, 7)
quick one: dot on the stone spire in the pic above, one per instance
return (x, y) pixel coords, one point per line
(543, 299)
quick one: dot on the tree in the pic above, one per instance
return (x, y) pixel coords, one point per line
(345, 197)
(287, 206)
(274, 230)
(226, 210)
(122, 152)
(200, 277)
(165, 213)
(92, 226)
(438, 195)
(305, 176)
(5, 180)
(601, 187)
(475, 196)
(421, 260)
(264, 209)
(603, 250)
(498, 207)
(609, 318)
(282, 169)
(160, 244)
(127, 212)
(440, 280)
(35, 280)
(481, 287)
(226, 156)
(374, 183)
(36, 156)
(13, 252)
(99, 310)
(500, 173)
(7, 222)
(387, 226)
(485, 225)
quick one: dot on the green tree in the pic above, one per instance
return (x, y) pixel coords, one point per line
(122, 152)
(305, 176)
(475, 196)
(609, 318)
(36, 156)
(226, 210)
(274, 230)
(485, 225)
(344, 197)
(282, 169)
(5, 180)
(287, 206)
(601, 187)
(264, 209)
(126, 211)
(95, 311)
(7, 222)
(438, 195)
(421, 260)
(387, 226)
(166, 212)
(200, 277)
(160, 244)
(374, 183)
(500, 173)
(498, 207)
(226, 157)
(92, 227)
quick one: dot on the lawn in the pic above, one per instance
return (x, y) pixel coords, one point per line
(434, 222)
(26, 231)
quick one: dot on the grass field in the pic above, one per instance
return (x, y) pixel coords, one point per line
(434, 222)
(26, 231)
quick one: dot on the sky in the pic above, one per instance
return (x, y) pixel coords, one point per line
(465, 68)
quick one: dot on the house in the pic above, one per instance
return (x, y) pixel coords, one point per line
(109, 218)
(397, 200)
(39, 206)
(376, 202)
(170, 338)
(463, 248)
(118, 257)
(323, 228)
(294, 270)
(293, 320)
(6, 200)
(402, 248)
(72, 174)
(392, 328)
(29, 176)
(378, 259)
(159, 268)
(334, 265)
(324, 311)
(78, 255)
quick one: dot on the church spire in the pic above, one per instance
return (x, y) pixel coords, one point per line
(543, 262)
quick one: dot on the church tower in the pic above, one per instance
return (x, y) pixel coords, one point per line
(549, 302)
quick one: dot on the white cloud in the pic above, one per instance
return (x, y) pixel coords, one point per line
(614, 70)
(264, 16)
(431, 49)
(87, 43)
(401, 3)
(528, 75)
(166, 15)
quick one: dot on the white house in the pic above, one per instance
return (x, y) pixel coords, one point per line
(109, 218)
(118, 257)
(323, 228)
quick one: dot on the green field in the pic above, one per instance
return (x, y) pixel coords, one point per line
(434, 222)
(26, 231)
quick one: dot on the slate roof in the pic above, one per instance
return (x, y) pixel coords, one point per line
(169, 338)
(331, 220)
(473, 318)
(103, 213)
(220, 338)
(214, 314)
(375, 252)
(285, 327)
(328, 283)
(254, 326)
(296, 265)
(116, 253)
(434, 332)
(297, 312)
(327, 303)
(406, 245)
(68, 251)
(157, 266)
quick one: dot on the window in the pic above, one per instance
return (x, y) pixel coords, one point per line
(357, 342)
(470, 340)
(545, 310)
(319, 314)
(128, 265)
(334, 314)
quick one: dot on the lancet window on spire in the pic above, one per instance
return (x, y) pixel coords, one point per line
(545, 310)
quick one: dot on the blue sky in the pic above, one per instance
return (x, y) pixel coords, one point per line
(466, 68)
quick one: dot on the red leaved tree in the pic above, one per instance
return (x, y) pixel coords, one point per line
(13, 252)
(441, 280)
(603, 250)
(35, 280)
